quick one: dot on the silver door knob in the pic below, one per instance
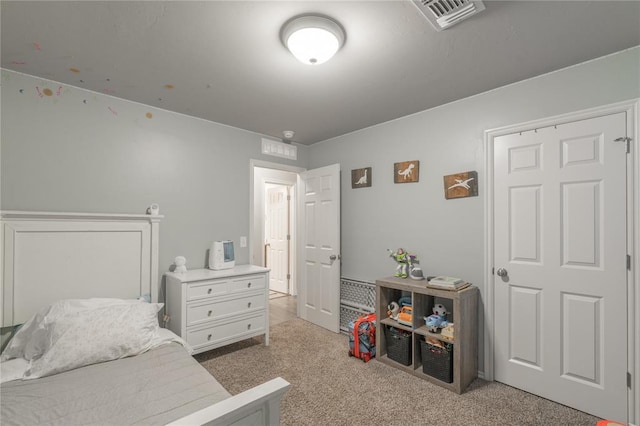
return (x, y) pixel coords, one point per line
(501, 272)
(333, 257)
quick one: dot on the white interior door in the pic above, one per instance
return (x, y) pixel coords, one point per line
(319, 293)
(277, 237)
(560, 244)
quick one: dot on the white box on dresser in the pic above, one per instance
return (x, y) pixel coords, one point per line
(210, 308)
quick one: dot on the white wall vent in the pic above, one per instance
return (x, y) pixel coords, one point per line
(444, 13)
(279, 149)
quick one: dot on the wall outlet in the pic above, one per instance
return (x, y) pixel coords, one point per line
(243, 241)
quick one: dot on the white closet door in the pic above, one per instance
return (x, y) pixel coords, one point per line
(560, 246)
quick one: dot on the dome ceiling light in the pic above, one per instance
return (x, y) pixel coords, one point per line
(312, 39)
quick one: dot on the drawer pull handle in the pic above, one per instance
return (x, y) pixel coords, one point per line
(248, 326)
(209, 337)
(209, 313)
(249, 305)
(209, 291)
(248, 284)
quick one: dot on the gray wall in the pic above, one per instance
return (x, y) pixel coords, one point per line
(448, 235)
(80, 151)
(88, 152)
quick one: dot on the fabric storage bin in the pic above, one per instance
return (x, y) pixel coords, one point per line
(437, 361)
(398, 345)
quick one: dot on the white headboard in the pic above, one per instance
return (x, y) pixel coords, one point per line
(51, 256)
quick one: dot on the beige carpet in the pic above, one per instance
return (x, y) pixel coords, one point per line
(331, 388)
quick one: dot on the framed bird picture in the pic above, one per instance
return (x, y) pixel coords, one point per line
(461, 185)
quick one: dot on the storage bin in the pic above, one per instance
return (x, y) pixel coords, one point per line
(398, 344)
(437, 361)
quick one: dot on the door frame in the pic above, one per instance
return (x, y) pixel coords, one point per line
(256, 226)
(632, 108)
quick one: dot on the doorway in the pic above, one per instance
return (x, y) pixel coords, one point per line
(558, 270)
(277, 236)
(273, 236)
(314, 252)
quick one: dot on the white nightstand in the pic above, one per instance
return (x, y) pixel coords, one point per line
(210, 309)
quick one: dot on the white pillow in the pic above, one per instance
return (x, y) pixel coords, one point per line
(13, 369)
(96, 335)
(28, 342)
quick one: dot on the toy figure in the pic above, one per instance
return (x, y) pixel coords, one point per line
(415, 272)
(181, 263)
(407, 264)
(438, 319)
(402, 258)
(392, 310)
(405, 316)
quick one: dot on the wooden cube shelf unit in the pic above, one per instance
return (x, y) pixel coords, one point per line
(463, 303)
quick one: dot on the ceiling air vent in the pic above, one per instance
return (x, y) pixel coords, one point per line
(444, 13)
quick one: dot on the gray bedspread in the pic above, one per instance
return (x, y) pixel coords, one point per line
(156, 387)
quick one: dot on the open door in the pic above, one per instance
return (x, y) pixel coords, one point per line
(277, 237)
(319, 291)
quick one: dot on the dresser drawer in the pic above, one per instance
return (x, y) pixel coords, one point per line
(202, 290)
(221, 332)
(246, 283)
(198, 313)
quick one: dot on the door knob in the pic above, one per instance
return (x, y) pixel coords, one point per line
(333, 257)
(501, 272)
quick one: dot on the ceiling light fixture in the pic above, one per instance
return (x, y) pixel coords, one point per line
(312, 39)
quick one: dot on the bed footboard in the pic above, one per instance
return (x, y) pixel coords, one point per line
(256, 406)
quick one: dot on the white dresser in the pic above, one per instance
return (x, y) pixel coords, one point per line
(210, 309)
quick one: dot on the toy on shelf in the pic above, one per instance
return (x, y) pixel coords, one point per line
(405, 301)
(438, 319)
(395, 309)
(405, 316)
(447, 332)
(392, 310)
(407, 264)
(415, 272)
(402, 259)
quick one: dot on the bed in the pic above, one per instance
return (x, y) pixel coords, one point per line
(90, 351)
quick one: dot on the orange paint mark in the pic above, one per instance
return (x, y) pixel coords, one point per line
(149, 115)
(76, 70)
(47, 92)
(169, 86)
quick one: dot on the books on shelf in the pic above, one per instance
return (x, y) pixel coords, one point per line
(448, 282)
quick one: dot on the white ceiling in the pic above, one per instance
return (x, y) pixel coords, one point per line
(223, 60)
